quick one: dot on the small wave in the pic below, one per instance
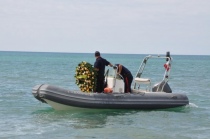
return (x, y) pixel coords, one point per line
(192, 105)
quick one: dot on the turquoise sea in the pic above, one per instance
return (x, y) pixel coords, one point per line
(24, 117)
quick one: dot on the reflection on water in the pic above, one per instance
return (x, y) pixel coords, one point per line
(91, 118)
(87, 118)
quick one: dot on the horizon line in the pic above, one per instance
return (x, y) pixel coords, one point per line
(102, 53)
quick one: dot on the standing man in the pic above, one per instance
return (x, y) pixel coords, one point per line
(127, 76)
(99, 65)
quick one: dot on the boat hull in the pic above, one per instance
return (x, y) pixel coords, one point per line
(62, 99)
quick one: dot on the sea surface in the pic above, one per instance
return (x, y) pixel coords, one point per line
(24, 117)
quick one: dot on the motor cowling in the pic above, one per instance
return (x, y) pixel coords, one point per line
(162, 87)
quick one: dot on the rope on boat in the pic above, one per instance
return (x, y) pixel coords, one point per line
(38, 94)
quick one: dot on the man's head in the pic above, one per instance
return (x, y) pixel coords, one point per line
(97, 53)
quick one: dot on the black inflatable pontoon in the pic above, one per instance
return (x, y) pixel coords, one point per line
(62, 99)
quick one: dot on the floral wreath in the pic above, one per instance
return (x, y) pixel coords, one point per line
(86, 77)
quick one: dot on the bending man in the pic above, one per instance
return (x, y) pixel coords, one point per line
(127, 76)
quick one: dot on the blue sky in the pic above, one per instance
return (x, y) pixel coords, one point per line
(110, 26)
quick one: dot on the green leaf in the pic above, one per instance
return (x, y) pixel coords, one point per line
(81, 77)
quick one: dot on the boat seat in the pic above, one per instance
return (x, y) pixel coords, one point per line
(143, 81)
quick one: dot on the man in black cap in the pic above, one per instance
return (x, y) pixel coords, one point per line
(99, 65)
(127, 76)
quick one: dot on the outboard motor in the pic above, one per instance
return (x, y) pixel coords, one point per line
(162, 87)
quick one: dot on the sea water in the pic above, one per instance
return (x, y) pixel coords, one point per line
(22, 116)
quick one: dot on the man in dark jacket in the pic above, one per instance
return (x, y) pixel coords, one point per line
(127, 76)
(99, 65)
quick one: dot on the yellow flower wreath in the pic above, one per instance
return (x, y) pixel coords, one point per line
(86, 77)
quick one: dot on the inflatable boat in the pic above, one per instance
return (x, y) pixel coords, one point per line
(142, 96)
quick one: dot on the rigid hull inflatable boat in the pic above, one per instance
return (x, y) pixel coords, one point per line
(62, 99)
(159, 96)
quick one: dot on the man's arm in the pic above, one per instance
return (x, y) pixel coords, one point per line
(110, 64)
(120, 69)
